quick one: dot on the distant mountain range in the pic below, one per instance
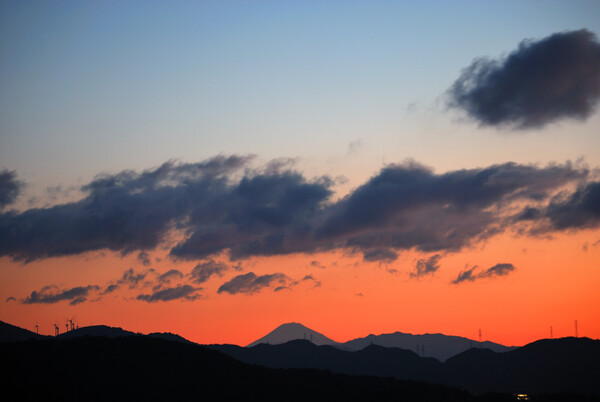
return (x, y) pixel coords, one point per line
(558, 365)
(438, 346)
(31, 361)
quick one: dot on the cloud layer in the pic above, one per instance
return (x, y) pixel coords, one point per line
(469, 275)
(10, 187)
(250, 283)
(539, 83)
(223, 207)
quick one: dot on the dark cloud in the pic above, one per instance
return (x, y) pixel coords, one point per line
(203, 271)
(580, 209)
(11, 299)
(498, 270)
(10, 187)
(52, 294)
(110, 288)
(539, 83)
(408, 206)
(166, 278)
(124, 212)
(185, 292)
(132, 278)
(224, 210)
(250, 283)
(426, 266)
(465, 276)
(468, 275)
(310, 278)
(262, 215)
(380, 254)
(144, 258)
(317, 264)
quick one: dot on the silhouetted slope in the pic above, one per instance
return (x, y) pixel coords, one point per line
(430, 345)
(10, 333)
(373, 360)
(169, 336)
(96, 330)
(558, 365)
(292, 331)
(547, 366)
(146, 368)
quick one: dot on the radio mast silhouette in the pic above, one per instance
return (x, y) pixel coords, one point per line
(551, 336)
(36, 328)
(72, 325)
(55, 329)
(576, 329)
(480, 335)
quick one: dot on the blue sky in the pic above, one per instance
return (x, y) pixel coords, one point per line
(346, 87)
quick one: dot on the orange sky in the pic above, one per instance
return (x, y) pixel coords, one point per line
(555, 282)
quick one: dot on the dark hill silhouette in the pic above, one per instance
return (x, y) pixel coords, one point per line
(96, 330)
(147, 368)
(372, 360)
(439, 346)
(557, 365)
(169, 336)
(547, 366)
(11, 333)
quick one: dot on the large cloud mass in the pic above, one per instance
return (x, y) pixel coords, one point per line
(539, 83)
(222, 206)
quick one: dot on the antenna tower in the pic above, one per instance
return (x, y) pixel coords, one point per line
(576, 334)
(36, 328)
(551, 335)
(55, 329)
(479, 335)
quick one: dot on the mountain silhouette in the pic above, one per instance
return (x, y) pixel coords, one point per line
(101, 362)
(11, 333)
(439, 346)
(372, 360)
(547, 366)
(96, 330)
(146, 368)
(291, 331)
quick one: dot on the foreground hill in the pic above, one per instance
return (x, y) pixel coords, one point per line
(547, 366)
(10, 333)
(147, 368)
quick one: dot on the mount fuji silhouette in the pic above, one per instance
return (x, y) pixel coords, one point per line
(292, 331)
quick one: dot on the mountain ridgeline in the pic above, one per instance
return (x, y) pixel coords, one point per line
(438, 346)
(101, 362)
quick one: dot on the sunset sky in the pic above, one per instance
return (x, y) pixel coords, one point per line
(217, 168)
